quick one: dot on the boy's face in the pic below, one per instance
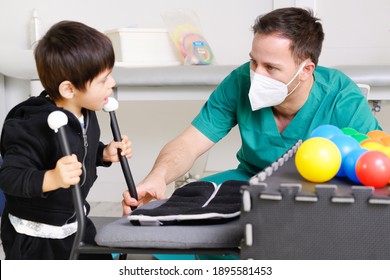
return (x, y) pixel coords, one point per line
(97, 91)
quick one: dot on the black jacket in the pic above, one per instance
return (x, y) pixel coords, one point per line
(29, 147)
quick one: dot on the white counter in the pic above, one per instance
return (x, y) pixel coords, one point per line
(182, 82)
(169, 83)
(376, 76)
(17, 63)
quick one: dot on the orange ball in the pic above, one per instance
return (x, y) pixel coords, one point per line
(385, 140)
(377, 134)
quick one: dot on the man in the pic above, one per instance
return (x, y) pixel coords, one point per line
(277, 98)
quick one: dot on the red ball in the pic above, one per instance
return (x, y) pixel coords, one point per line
(373, 169)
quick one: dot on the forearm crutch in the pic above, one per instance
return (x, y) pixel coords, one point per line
(110, 107)
(57, 121)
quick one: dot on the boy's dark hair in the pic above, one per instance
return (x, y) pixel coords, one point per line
(298, 25)
(72, 51)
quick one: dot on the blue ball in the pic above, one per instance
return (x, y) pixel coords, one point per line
(345, 144)
(326, 131)
(349, 164)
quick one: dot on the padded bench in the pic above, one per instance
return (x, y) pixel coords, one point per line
(203, 239)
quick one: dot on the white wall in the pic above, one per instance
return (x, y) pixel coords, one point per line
(357, 32)
(226, 24)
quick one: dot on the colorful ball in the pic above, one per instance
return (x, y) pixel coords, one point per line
(385, 150)
(360, 137)
(385, 140)
(326, 131)
(376, 134)
(373, 169)
(349, 164)
(318, 160)
(345, 144)
(371, 144)
(349, 131)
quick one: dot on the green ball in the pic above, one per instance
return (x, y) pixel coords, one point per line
(360, 137)
(349, 131)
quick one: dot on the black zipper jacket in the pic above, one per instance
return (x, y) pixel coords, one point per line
(29, 147)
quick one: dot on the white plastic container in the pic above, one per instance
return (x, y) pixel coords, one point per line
(137, 47)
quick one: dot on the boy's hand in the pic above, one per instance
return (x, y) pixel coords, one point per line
(110, 153)
(66, 173)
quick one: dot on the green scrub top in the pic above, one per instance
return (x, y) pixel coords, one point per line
(334, 99)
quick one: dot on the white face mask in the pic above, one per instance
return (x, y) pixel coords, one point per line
(266, 92)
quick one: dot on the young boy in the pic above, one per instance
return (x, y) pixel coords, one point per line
(74, 64)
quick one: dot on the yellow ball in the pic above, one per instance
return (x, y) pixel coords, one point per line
(371, 144)
(318, 160)
(385, 150)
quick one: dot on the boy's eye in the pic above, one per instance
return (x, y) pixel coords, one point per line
(105, 79)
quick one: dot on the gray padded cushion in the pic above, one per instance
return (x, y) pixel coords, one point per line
(122, 233)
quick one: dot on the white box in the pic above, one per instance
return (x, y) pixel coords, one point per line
(144, 47)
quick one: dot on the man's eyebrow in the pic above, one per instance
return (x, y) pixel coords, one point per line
(276, 65)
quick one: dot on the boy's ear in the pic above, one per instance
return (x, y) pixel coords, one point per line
(66, 89)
